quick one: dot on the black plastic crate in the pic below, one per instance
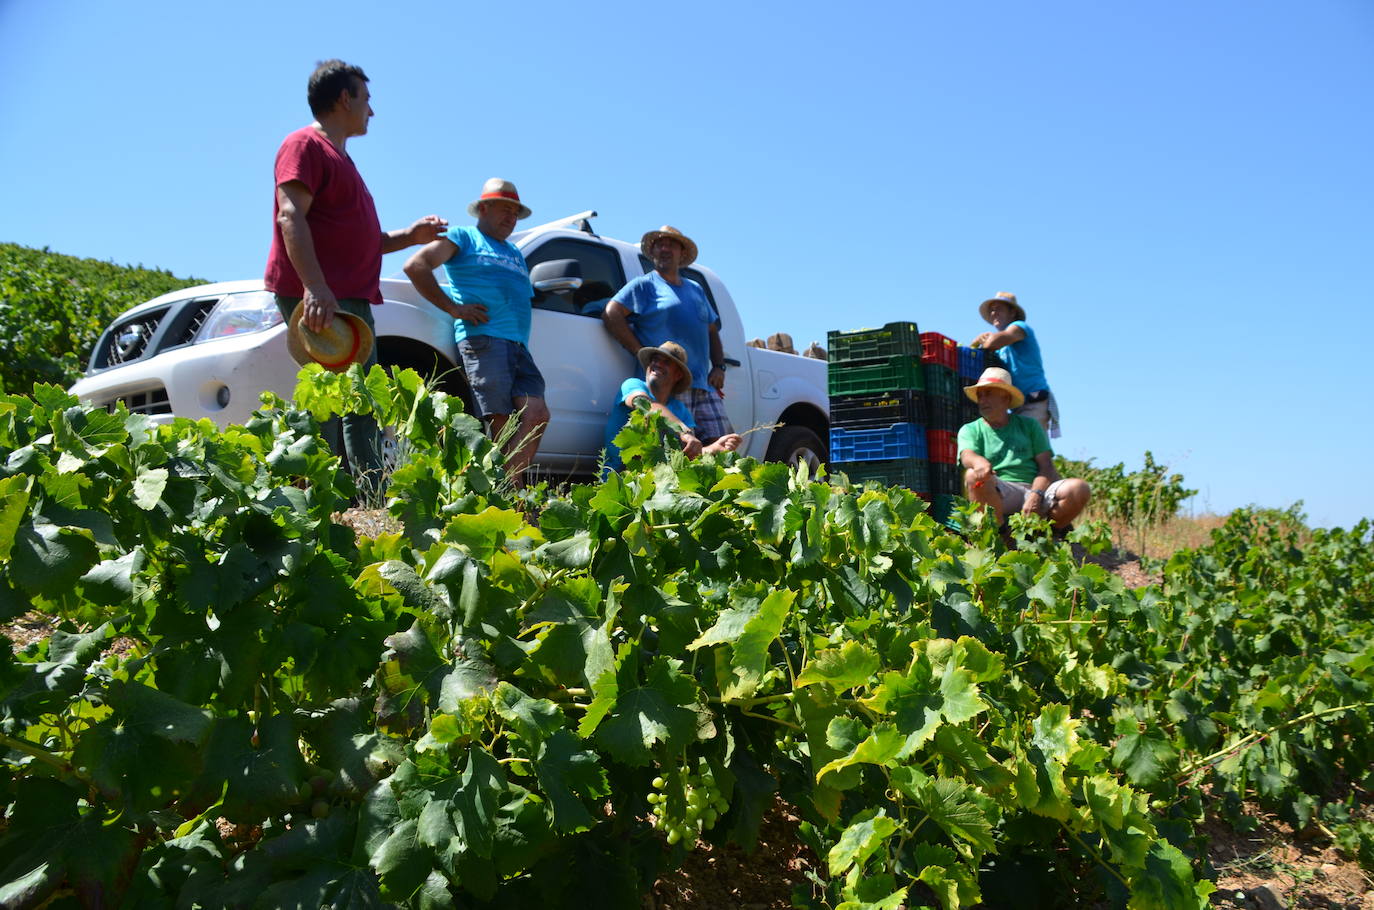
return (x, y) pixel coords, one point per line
(871, 344)
(857, 411)
(945, 478)
(942, 413)
(912, 473)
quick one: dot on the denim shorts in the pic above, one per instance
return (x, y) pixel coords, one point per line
(499, 371)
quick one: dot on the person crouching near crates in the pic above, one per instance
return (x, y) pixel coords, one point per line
(1016, 340)
(1008, 463)
(666, 376)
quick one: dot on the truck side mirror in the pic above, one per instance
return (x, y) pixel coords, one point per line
(556, 276)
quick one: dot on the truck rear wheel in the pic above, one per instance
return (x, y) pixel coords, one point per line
(793, 444)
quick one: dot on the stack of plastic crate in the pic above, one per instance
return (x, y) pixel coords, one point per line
(971, 366)
(944, 389)
(878, 406)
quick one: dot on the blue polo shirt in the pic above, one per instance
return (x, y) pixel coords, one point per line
(667, 312)
(490, 272)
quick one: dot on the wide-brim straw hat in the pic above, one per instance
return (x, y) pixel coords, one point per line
(984, 308)
(674, 352)
(995, 378)
(346, 340)
(689, 249)
(498, 189)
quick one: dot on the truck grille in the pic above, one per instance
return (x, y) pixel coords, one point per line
(129, 341)
(153, 401)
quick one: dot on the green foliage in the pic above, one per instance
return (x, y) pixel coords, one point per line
(481, 711)
(54, 307)
(1139, 499)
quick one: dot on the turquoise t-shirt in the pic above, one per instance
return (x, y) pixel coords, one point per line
(1023, 362)
(490, 272)
(681, 313)
(1011, 450)
(620, 415)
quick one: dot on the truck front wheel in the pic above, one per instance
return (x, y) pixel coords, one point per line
(794, 444)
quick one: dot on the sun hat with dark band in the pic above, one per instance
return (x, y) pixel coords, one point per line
(346, 340)
(674, 352)
(985, 308)
(689, 249)
(497, 189)
(995, 378)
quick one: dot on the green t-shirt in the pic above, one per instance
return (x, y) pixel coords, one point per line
(1011, 450)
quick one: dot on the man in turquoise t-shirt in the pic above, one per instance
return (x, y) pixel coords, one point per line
(1016, 340)
(666, 375)
(665, 305)
(488, 296)
(1007, 459)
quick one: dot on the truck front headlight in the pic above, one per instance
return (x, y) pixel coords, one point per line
(240, 314)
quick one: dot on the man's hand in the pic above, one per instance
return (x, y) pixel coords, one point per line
(426, 229)
(979, 473)
(472, 313)
(981, 341)
(716, 379)
(727, 443)
(690, 444)
(319, 306)
(1032, 502)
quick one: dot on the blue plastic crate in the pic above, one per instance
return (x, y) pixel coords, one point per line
(971, 363)
(900, 440)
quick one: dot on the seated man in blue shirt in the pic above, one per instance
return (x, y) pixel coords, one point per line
(1008, 464)
(666, 375)
(1015, 339)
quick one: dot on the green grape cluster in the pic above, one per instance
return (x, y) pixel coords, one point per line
(697, 809)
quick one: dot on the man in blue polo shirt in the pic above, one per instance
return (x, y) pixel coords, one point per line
(1021, 352)
(488, 296)
(665, 305)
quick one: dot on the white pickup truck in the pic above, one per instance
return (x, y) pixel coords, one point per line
(210, 351)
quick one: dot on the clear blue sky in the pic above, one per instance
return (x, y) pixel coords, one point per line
(1180, 192)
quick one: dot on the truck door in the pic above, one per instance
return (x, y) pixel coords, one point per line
(583, 366)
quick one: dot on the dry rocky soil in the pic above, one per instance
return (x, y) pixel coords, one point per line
(1267, 868)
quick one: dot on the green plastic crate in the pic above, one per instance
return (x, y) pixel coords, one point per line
(941, 380)
(896, 373)
(870, 344)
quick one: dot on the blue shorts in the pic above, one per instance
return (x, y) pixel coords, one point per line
(499, 371)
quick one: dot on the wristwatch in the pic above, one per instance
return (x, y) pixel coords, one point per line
(718, 366)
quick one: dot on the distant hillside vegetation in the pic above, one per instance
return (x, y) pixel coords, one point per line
(54, 307)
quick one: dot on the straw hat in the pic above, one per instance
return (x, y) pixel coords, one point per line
(674, 352)
(1017, 312)
(346, 340)
(995, 378)
(689, 249)
(496, 188)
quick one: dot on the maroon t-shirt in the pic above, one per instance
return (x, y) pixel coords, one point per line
(342, 218)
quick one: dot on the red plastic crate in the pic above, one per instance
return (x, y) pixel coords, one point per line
(936, 348)
(940, 444)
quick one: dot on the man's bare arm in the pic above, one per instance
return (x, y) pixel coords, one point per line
(293, 204)
(716, 378)
(424, 230)
(419, 268)
(992, 341)
(616, 318)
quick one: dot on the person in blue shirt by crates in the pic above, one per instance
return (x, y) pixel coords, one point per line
(1008, 463)
(1015, 339)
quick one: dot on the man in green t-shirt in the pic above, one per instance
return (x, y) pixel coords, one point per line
(1007, 459)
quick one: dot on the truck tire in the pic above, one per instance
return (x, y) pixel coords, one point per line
(793, 443)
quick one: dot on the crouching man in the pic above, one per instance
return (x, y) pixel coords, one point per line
(666, 376)
(1009, 466)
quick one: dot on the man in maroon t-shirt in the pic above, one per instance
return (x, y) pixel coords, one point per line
(327, 243)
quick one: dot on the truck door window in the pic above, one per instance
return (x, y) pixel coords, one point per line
(602, 275)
